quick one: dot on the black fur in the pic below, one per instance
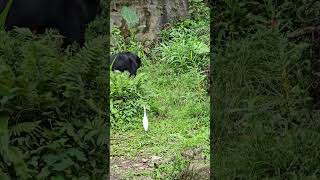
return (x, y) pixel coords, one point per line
(125, 61)
(70, 17)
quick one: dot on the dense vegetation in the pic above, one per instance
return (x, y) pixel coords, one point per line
(53, 118)
(172, 84)
(262, 114)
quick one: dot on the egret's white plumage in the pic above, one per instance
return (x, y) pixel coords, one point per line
(145, 119)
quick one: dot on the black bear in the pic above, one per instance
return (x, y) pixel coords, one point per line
(125, 61)
(70, 17)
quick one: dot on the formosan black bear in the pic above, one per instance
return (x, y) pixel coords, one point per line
(125, 61)
(69, 17)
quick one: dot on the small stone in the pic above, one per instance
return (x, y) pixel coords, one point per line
(188, 154)
(155, 158)
(125, 162)
(136, 165)
(151, 165)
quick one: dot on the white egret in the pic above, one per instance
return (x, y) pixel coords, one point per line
(145, 119)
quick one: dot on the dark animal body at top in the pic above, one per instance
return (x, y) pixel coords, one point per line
(69, 17)
(125, 61)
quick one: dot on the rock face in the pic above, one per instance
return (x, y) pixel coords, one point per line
(153, 15)
(197, 169)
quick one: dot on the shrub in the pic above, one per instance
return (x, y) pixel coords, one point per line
(127, 98)
(261, 110)
(185, 46)
(127, 95)
(53, 107)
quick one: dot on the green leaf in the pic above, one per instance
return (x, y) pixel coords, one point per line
(130, 15)
(27, 127)
(84, 178)
(4, 177)
(79, 155)
(4, 14)
(63, 164)
(34, 161)
(4, 90)
(16, 157)
(93, 106)
(57, 178)
(102, 139)
(51, 159)
(4, 135)
(7, 76)
(202, 48)
(43, 173)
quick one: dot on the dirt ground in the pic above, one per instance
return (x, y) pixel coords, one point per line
(121, 167)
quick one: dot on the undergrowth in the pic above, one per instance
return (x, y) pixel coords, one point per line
(185, 46)
(172, 85)
(53, 122)
(263, 120)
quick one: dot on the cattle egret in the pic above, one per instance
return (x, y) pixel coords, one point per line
(145, 119)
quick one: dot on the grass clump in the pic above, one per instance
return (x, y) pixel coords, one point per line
(185, 46)
(262, 114)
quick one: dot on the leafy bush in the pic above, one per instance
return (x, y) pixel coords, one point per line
(262, 68)
(235, 19)
(118, 44)
(198, 10)
(127, 98)
(186, 45)
(53, 107)
(261, 110)
(294, 155)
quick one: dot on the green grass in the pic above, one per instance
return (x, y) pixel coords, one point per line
(181, 120)
(263, 119)
(172, 85)
(264, 128)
